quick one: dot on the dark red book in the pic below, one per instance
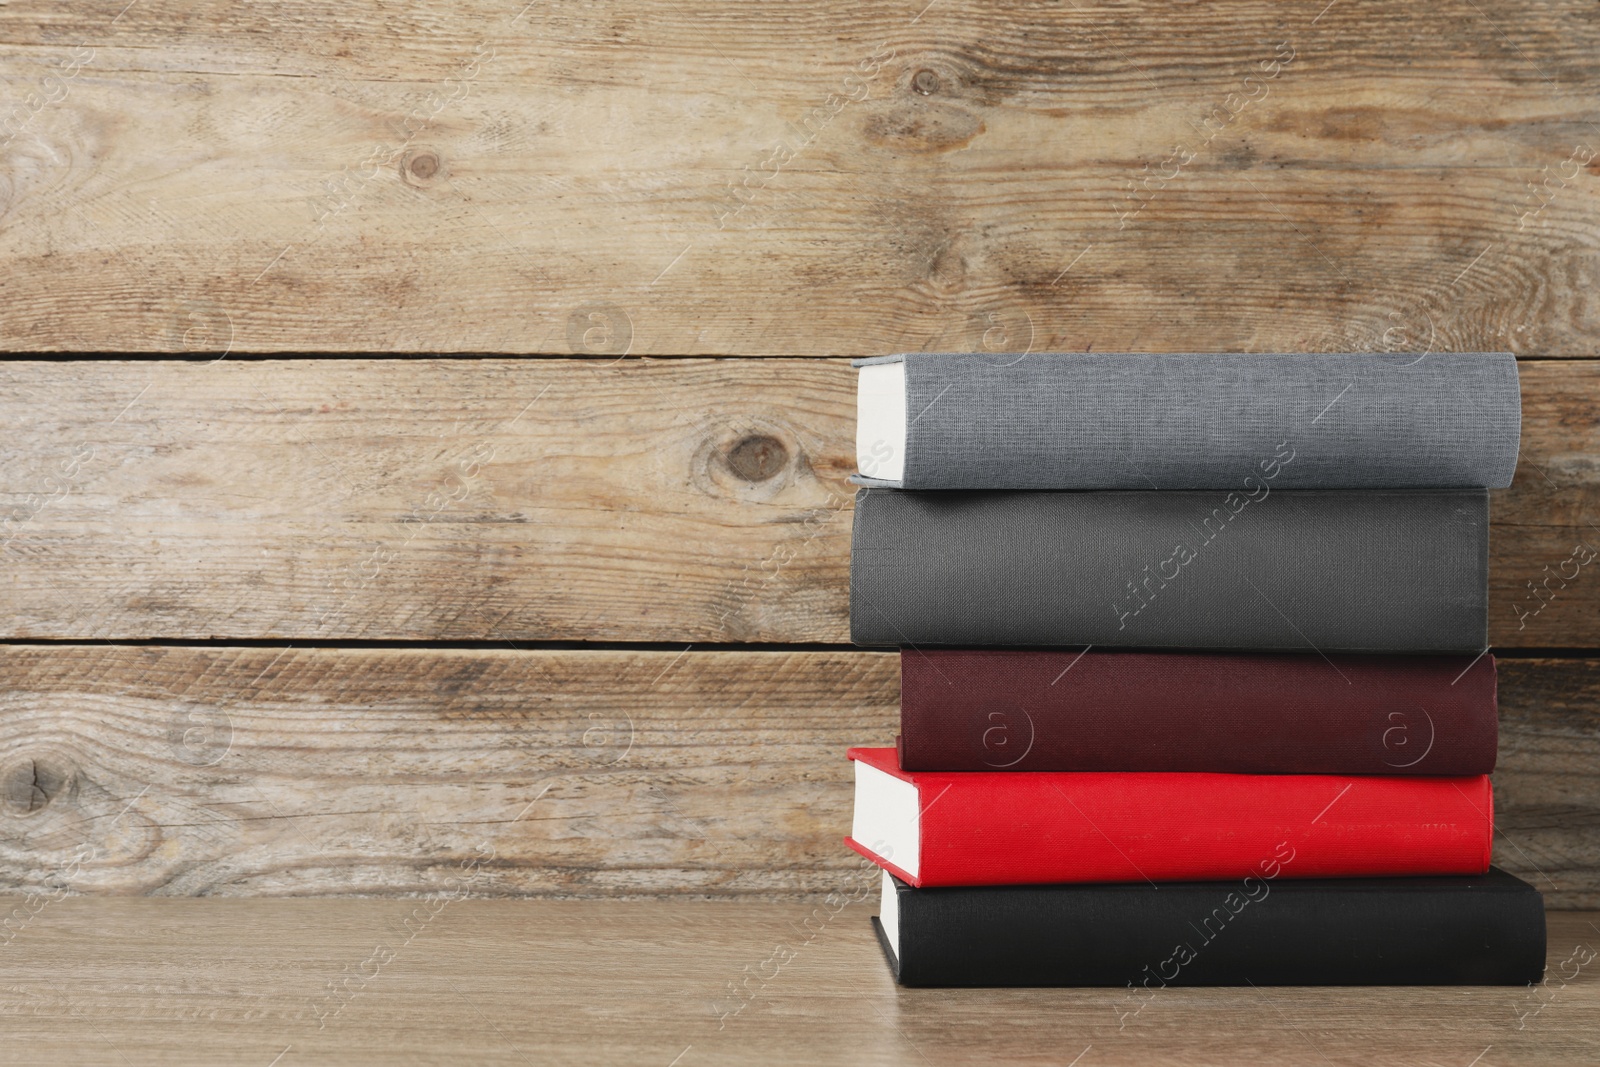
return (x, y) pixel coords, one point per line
(938, 828)
(1171, 711)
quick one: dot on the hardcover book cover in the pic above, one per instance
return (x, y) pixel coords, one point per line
(1244, 713)
(1071, 420)
(1485, 929)
(1257, 570)
(936, 828)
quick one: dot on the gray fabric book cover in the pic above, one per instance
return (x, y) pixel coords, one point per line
(1257, 568)
(1110, 421)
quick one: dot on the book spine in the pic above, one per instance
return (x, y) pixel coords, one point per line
(1087, 710)
(1231, 933)
(1113, 421)
(1251, 569)
(1003, 828)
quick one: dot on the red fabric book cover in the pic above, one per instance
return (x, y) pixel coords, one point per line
(1162, 711)
(1011, 828)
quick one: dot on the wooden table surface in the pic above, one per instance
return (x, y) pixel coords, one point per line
(452, 980)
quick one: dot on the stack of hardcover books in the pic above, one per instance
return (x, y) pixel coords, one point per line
(1195, 682)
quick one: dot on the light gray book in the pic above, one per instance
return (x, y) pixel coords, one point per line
(1252, 568)
(1107, 421)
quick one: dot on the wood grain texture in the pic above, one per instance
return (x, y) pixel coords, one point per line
(260, 771)
(669, 501)
(804, 178)
(568, 500)
(1547, 781)
(683, 984)
(1544, 574)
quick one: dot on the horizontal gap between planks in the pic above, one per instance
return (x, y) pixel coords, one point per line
(394, 357)
(262, 357)
(423, 646)
(607, 646)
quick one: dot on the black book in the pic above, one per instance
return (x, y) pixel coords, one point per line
(1476, 930)
(1258, 569)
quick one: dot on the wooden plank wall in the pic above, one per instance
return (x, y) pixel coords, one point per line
(684, 500)
(807, 178)
(570, 773)
(590, 201)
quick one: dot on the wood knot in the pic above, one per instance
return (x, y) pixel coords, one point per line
(747, 459)
(757, 457)
(425, 166)
(947, 273)
(420, 167)
(30, 784)
(925, 82)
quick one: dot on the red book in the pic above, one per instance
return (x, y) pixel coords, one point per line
(1163, 711)
(938, 828)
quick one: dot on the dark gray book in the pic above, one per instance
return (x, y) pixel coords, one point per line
(1483, 929)
(1108, 421)
(1264, 569)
